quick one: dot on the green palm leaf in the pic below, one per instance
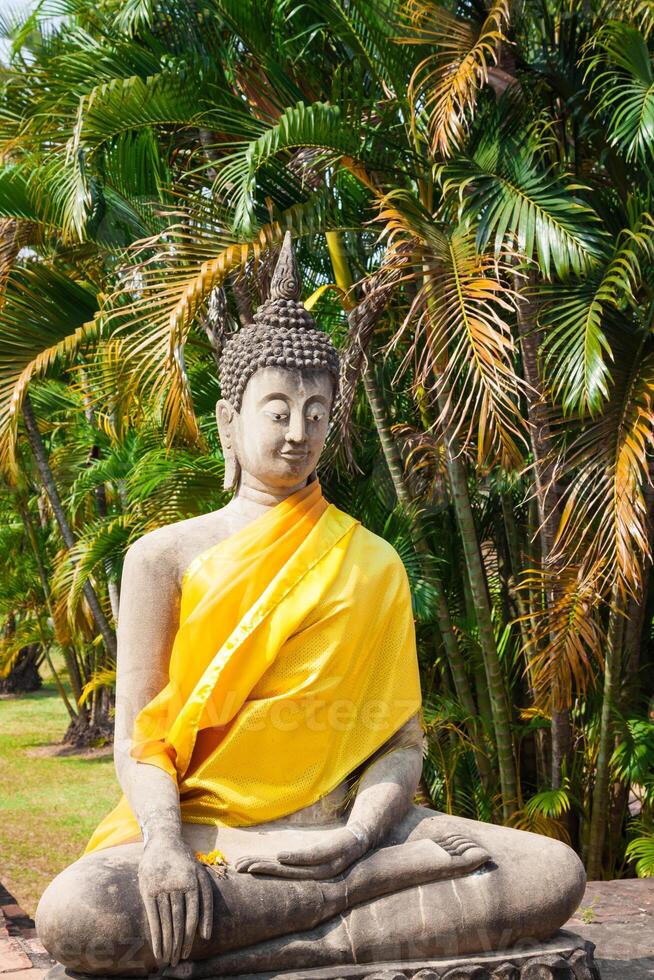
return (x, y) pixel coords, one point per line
(319, 126)
(514, 199)
(641, 850)
(46, 317)
(578, 318)
(633, 757)
(103, 543)
(622, 81)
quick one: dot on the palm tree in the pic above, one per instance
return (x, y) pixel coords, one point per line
(470, 183)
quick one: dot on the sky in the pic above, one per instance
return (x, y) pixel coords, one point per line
(8, 7)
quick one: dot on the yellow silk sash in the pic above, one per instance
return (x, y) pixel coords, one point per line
(294, 661)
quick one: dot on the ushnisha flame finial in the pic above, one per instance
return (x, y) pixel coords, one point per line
(286, 283)
(283, 307)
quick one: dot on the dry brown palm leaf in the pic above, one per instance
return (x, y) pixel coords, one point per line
(604, 520)
(445, 84)
(639, 12)
(163, 296)
(567, 642)
(363, 319)
(457, 333)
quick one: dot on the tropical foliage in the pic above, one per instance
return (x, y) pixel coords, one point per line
(470, 188)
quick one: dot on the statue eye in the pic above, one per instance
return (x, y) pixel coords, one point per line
(277, 410)
(316, 413)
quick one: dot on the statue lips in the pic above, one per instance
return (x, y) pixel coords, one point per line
(293, 454)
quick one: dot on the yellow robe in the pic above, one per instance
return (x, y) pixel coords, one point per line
(294, 661)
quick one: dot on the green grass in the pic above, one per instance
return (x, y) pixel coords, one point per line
(49, 805)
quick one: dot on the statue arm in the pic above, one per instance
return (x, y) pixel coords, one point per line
(384, 794)
(148, 619)
(387, 786)
(174, 887)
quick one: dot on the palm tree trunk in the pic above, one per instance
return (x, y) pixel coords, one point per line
(101, 503)
(600, 809)
(481, 600)
(547, 495)
(43, 466)
(70, 659)
(73, 715)
(525, 623)
(396, 470)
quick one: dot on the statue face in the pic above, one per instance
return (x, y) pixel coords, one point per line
(280, 430)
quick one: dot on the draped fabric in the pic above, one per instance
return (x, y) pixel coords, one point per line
(294, 661)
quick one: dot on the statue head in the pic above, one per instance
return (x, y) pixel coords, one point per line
(278, 378)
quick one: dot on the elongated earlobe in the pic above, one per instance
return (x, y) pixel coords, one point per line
(232, 476)
(225, 418)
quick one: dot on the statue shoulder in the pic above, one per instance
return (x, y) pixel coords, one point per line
(378, 551)
(165, 552)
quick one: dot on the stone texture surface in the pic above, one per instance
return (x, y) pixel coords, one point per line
(618, 916)
(566, 957)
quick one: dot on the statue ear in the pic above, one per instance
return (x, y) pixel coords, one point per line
(225, 417)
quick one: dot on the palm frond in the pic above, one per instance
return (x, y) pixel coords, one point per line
(46, 318)
(567, 642)
(604, 519)
(104, 677)
(574, 317)
(512, 195)
(460, 337)
(542, 813)
(103, 542)
(445, 85)
(641, 850)
(622, 82)
(318, 126)
(633, 757)
(171, 485)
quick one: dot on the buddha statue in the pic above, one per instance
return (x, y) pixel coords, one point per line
(268, 733)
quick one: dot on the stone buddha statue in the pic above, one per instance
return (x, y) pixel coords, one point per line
(268, 736)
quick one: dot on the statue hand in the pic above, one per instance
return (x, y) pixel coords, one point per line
(333, 852)
(176, 892)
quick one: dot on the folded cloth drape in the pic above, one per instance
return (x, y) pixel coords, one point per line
(294, 661)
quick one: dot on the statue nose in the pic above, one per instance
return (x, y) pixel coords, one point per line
(295, 432)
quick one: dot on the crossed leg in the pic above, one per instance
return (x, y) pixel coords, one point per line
(92, 920)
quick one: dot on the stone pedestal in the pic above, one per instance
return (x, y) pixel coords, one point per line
(565, 957)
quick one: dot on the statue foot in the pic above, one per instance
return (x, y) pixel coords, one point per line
(390, 869)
